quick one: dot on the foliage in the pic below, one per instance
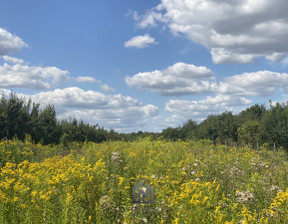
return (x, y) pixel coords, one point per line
(19, 118)
(254, 126)
(193, 182)
(275, 125)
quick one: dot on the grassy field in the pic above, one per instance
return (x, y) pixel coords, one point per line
(193, 182)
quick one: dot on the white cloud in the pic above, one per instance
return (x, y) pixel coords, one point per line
(186, 79)
(149, 20)
(19, 75)
(221, 55)
(200, 109)
(140, 41)
(10, 43)
(107, 88)
(260, 83)
(88, 79)
(234, 31)
(13, 60)
(122, 113)
(176, 80)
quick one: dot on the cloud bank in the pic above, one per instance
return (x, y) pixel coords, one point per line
(233, 31)
(122, 113)
(15, 74)
(176, 80)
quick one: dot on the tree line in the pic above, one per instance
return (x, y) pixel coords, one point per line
(255, 125)
(20, 118)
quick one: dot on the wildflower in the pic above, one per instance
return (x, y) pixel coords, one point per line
(105, 201)
(45, 197)
(158, 209)
(33, 193)
(274, 188)
(243, 197)
(234, 171)
(23, 206)
(121, 180)
(15, 199)
(115, 156)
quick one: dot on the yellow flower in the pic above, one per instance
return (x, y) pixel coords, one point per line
(23, 206)
(45, 197)
(121, 180)
(33, 193)
(176, 221)
(15, 199)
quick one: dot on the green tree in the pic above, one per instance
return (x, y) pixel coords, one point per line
(171, 133)
(14, 117)
(48, 128)
(218, 128)
(274, 126)
(249, 132)
(187, 131)
(253, 113)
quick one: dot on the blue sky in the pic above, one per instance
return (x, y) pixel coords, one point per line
(135, 65)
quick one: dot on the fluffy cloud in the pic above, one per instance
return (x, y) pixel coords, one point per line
(186, 79)
(88, 79)
(260, 83)
(234, 31)
(13, 60)
(185, 109)
(122, 113)
(10, 43)
(176, 80)
(16, 74)
(140, 41)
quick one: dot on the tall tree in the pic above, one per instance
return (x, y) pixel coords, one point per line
(49, 131)
(274, 126)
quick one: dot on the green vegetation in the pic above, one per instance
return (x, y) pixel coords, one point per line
(71, 172)
(255, 126)
(193, 182)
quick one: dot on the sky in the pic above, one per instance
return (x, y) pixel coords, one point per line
(144, 65)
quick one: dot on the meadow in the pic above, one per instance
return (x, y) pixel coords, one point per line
(193, 182)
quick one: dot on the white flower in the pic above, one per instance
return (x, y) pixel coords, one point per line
(243, 197)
